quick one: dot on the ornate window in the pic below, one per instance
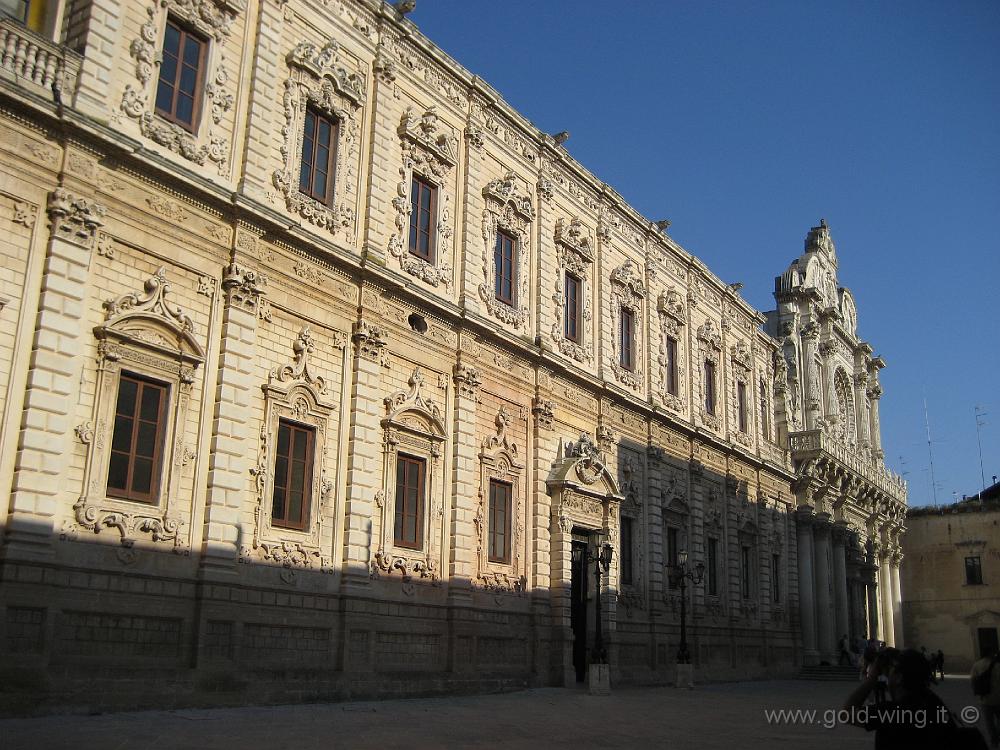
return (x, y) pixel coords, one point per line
(182, 74)
(424, 194)
(499, 521)
(192, 78)
(409, 502)
(293, 456)
(572, 329)
(505, 268)
(137, 440)
(293, 492)
(499, 524)
(741, 360)
(406, 530)
(136, 449)
(776, 578)
(741, 406)
(320, 89)
(627, 294)
(746, 571)
(670, 308)
(671, 542)
(626, 551)
(712, 566)
(508, 214)
(710, 350)
(317, 170)
(423, 210)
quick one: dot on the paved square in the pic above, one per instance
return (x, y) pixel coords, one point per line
(724, 715)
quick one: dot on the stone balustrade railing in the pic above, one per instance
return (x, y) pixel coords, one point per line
(37, 63)
(773, 453)
(871, 469)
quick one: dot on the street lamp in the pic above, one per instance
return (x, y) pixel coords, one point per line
(679, 576)
(602, 560)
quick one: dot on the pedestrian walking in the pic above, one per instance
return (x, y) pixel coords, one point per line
(986, 684)
(913, 716)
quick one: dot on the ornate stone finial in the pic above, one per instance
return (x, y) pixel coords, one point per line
(605, 437)
(74, 219)
(299, 367)
(153, 301)
(468, 381)
(663, 225)
(542, 409)
(561, 137)
(369, 340)
(501, 440)
(819, 240)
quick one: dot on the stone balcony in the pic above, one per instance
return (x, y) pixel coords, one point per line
(37, 64)
(810, 444)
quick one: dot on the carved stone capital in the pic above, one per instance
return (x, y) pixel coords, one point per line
(74, 219)
(467, 380)
(542, 409)
(369, 340)
(243, 287)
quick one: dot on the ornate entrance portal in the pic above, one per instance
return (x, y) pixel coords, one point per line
(585, 502)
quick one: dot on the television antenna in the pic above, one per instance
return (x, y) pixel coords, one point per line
(980, 423)
(930, 451)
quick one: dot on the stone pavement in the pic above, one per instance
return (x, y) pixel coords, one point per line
(726, 715)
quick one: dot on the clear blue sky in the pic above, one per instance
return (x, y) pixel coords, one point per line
(744, 123)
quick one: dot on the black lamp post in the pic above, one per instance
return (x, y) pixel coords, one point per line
(603, 560)
(680, 575)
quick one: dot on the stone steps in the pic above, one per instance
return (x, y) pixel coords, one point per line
(829, 673)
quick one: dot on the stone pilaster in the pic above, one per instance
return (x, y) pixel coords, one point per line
(807, 584)
(364, 464)
(861, 407)
(465, 487)
(874, 394)
(229, 478)
(53, 375)
(546, 559)
(826, 638)
(841, 601)
(811, 384)
(871, 591)
(885, 597)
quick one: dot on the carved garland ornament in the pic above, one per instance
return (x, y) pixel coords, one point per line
(575, 255)
(670, 308)
(627, 293)
(295, 393)
(319, 79)
(143, 332)
(429, 151)
(213, 18)
(509, 210)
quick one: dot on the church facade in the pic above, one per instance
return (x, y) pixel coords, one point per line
(327, 374)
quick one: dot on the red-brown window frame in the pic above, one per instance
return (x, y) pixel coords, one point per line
(626, 332)
(331, 166)
(765, 421)
(416, 205)
(504, 241)
(709, 374)
(496, 529)
(571, 326)
(673, 385)
(157, 469)
(401, 507)
(199, 91)
(309, 435)
(741, 406)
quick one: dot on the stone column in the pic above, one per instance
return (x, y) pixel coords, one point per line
(861, 408)
(233, 443)
(807, 591)
(826, 638)
(51, 389)
(871, 590)
(874, 394)
(897, 603)
(832, 410)
(364, 463)
(841, 600)
(885, 592)
(811, 400)
(465, 488)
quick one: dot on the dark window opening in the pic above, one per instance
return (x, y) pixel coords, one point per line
(505, 267)
(626, 332)
(626, 545)
(712, 568)
(182, 74)
(776, 578)
(409, 502)
(672, 549)
(746, 572)
(319, 156)
(417, 323)
(571, 328)
(973, 571)
(293, 459)
(673, 386)
(423, 205)
(741, 406)
(710, 387)
(137, 440)
(501, 494)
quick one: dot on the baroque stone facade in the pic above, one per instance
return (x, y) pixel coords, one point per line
(187, 258)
